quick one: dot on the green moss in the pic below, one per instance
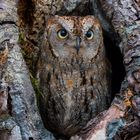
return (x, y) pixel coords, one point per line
(29, 59)
(35, 84)
(21, 38)
(4, 117)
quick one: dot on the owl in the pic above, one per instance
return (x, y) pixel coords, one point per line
(73, 74)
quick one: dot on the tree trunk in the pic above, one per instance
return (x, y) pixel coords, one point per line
(19, 117)
(21, 26)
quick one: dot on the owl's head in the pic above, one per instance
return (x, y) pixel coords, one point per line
(72, 36)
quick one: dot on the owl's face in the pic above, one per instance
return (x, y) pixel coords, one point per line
(71, 37)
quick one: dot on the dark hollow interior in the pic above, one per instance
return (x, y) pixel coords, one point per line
(116, 59)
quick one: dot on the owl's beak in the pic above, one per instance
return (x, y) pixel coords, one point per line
(78, 41)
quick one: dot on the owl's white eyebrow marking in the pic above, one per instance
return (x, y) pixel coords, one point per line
(87, 24)
(67, 24)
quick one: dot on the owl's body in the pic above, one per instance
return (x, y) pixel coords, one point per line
(73, 73)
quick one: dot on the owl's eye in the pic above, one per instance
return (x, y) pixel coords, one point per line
(62, 33)
(89, 34)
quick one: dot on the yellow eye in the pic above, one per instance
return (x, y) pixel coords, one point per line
(62, 34)
(89, 34)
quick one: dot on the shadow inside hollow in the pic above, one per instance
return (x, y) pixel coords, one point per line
(116, 59)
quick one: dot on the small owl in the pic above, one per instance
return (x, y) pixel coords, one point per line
(73, 73)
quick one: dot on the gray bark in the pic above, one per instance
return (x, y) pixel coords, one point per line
(19, 119)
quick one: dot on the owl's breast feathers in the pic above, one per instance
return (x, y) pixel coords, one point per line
(73, 74)
(75, 93)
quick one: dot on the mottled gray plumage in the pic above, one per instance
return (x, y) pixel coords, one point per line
(73, 73)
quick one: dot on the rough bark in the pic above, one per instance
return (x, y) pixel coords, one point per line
(19, 117)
